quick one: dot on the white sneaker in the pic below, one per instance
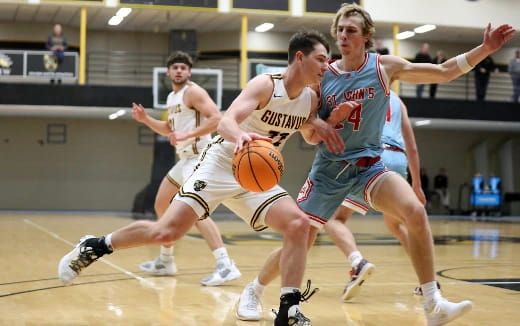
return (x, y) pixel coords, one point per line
(159, 267)
(248, 304)
(222, 274)
(76, 260)
(358, 275)
(444, 311)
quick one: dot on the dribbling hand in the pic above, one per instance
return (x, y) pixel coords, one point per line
(246, 137)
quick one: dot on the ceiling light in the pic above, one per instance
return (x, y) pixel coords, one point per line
(423, 123)
(123, 12)
(263, 27)
(404, 35)
(117, 114)
(115, 20)
(425, 28)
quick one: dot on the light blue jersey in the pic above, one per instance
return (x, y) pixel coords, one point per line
(392, 134)
(361, 131)
(350, 176)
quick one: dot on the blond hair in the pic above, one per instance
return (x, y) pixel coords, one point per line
(347, 10)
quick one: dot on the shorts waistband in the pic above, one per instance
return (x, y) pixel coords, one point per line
(389, 147)
(366, 161)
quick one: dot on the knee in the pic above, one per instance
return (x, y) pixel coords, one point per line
(297, 228)
(416, 217)
(164, 235)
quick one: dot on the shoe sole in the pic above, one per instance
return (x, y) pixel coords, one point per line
(228, 279)
(467, 308)
(158, 272)
(365, 273)
(243, 318)
(64, 264)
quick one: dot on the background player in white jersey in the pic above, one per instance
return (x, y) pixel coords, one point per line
(400, 152)
(213, 183)
(192, 117)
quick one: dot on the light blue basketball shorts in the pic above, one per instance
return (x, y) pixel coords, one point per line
(331, 182)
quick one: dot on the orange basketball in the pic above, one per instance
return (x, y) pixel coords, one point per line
(258, 166)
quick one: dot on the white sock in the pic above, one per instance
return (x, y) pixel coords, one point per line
(355, 258)
(287, 289)
(166, 254)
(259, 288)
(108, 241)
(430, 292)
(221, 256)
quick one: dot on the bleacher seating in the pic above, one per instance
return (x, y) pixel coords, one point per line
(500, 88)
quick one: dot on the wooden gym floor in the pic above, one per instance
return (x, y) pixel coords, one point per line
(475, 260)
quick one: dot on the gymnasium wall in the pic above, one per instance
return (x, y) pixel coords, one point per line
(101, 166)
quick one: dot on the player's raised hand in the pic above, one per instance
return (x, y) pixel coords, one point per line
(138, 112)
(495, 38)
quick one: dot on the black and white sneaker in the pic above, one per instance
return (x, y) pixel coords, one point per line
(88, 250)
(289, 313)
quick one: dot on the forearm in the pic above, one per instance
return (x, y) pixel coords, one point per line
(229, 129)
(414, 166)
(207, 127)
(158, 126)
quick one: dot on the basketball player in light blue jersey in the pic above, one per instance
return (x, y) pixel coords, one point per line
(400, 151)
(358, 174)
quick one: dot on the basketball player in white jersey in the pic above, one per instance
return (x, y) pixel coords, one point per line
(294, 105)
(192, 117)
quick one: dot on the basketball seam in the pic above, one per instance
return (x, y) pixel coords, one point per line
(251, 167)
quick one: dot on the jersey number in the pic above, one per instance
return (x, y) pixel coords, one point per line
(277, 137)
(355, 117)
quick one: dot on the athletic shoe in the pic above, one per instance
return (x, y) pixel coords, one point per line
(223, 273)
(418, 290)
(443, 311)
(88, 250)
(249, 304)
(358, 275)
(289, 313)
(159, 267)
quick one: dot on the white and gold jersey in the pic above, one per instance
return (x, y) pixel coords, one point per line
(282, 116)
(183, 118)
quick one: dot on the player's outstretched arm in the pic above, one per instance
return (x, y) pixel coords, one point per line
(139, 114)
(426, 73)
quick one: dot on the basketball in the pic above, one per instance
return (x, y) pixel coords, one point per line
(258, 166)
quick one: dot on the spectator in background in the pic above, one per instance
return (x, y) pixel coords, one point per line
(380, 48)
(440, 186)
(482, 73)
(439, 58)
(425, 182)
(57, 43)
(422, 57)
(514, 71)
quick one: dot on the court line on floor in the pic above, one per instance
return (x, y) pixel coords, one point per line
(106, 261)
